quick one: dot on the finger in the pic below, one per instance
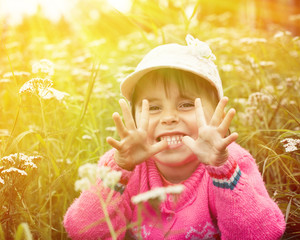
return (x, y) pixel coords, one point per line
(219, 112)
(158, 147)
(230, 139)
(128, 119)
(224, 126)
(145, 115)
(199, 113)
(121, 129)
(189, 142)
(114, 143)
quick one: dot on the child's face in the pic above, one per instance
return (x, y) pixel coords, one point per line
(171, 117)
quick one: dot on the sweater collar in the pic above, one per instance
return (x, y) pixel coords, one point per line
(191, 184)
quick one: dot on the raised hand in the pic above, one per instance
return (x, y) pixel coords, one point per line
(211, 145)
(133, 148)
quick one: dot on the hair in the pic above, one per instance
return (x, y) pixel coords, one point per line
(187, 82)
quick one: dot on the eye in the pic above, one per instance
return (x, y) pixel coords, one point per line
(186, 105)
(154, 108)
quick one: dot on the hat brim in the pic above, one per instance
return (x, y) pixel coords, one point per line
(128, 84)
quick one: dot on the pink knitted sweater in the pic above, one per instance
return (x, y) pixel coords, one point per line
(227, 202)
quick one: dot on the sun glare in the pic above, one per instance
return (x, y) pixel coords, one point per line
(121, 5)
(14, 10)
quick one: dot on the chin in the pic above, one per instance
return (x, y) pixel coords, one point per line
(173, 158)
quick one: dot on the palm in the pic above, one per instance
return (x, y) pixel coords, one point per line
(133, 148)
(211, 145)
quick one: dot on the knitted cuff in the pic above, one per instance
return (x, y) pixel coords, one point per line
(226, 176)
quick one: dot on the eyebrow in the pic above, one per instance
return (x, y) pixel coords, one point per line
(152, 99)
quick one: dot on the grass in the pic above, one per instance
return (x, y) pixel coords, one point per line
(260, 73)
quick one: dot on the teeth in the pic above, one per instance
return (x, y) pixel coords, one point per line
(176, 139)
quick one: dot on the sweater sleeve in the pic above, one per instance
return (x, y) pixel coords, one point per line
(240, 201)
(86, 218)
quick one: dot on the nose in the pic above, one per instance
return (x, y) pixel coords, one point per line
(169, 117)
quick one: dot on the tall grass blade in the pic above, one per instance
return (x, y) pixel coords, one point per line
(288, 208)
(1, 233)
(23, 232)
(16, 141)
(93, 77)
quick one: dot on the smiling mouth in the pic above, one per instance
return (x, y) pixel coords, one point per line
(172, 140)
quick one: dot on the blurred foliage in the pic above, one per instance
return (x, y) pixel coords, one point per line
(92, 51)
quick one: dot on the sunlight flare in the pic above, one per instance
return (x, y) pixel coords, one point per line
(121, 5)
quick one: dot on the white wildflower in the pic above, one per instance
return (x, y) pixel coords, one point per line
(2, 180)
(112, 178)
(280, 34)
(13, 169)
(199, 48)
(53, 93)
(38, 86)
(267, 63)
(97, 43)
(109, 177)
(16, 74)
(175, 189)
(218, 40)
(4, 80)
(156, 193)
(83, 58)
(89, 171)
(8, 160)
(103, 171)
(249, 40)
(104, 67)
(86, 137)
(242, 101)
(257, 98)
(159, 193)
(227, 68)
(110, 129)
(295, 17)
(82, 184)
(294, 54)
(42, 87)
(252, 61)
(44, 66)
(4, 132)
(291, 144)
(80, 72)
(20, 159)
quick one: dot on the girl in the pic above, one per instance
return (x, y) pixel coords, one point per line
(177, 132)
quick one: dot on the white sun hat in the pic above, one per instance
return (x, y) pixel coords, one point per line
(196, 57)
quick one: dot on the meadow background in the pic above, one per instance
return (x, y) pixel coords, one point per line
(46, 135)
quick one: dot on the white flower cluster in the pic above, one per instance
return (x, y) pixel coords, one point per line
(16, 74)
(42, 87)
(281, 34)
(36, 85)
(291, 144)
(16, 163)
(258, 98)
(44, 66)
(90, 172)
(159, 193)
(250, 40)
(199, 48)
